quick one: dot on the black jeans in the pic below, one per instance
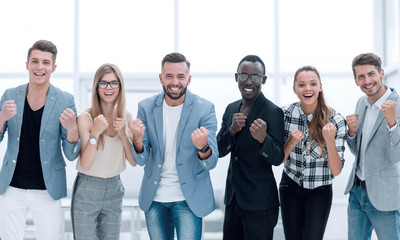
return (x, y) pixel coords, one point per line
(240, 224)
(304, 211)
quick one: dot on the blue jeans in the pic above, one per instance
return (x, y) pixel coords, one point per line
(161, 219)
(363, 217)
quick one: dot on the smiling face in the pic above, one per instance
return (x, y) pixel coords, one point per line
(307, 87)
(370, 81)
(250, 90)
(175, 78)
(108, 94)
(40, 66)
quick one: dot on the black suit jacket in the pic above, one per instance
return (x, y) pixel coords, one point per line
(250, 177)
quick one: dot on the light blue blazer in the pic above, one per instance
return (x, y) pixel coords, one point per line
(52, 135)
(382, 158)
(193, 173)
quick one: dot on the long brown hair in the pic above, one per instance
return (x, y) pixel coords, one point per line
(321, 115)
(96, 108)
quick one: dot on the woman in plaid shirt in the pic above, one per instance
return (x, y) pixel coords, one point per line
(314, 146)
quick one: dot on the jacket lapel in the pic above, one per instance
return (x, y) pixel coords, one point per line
(186, 111)
(20, 101)
(51, 99)
(361, 117)
(158, 121)
(250, 118)
(376, 125)
(381, 117)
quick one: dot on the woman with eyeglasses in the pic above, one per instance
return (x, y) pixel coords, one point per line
(314, 147)
(106, 145)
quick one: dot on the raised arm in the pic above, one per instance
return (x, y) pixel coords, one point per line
(126, 136)
(88, 129)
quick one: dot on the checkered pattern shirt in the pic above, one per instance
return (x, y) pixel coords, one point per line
(305, 165)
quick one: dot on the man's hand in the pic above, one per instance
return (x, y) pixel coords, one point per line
(351, 121)
(137, 128)
(8, 111)
(238, 122)
(389, 111)
(199, 137)
(68, 121)
(258, 130)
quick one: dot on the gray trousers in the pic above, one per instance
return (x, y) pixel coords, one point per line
(96, 207)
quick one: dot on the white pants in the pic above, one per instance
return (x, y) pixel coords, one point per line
(16, 203)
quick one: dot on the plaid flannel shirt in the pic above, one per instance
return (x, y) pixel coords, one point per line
(304, 164)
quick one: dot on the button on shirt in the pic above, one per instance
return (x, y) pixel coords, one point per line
(371, 114)
(304, 164)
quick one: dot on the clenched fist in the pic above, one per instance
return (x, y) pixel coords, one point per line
(258, 130)
(100, 124)
(199, 137)
(351, 121)
(329, 132)
(137, 128)
(389, 111)
(8, 111)
(238, 122)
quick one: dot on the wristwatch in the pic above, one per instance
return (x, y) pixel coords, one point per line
(92, 140)
(204, 149)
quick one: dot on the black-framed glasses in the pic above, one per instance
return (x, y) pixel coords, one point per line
(104, 84)
(254, 78)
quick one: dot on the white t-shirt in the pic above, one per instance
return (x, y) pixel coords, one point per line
(169, 188)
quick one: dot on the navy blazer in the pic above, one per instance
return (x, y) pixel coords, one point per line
(250, 178)
(193, 173)
(52, 136)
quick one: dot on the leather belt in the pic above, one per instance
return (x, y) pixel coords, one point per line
(360, 183)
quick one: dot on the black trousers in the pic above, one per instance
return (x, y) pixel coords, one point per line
(242, 224)
(304, 211)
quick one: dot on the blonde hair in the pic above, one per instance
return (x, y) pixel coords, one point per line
(322, 113)
(96, 108)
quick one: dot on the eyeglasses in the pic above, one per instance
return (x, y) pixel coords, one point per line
(254, 78)
(104, 84)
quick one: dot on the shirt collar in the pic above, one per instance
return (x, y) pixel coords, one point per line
(381, 100)
(302, 115)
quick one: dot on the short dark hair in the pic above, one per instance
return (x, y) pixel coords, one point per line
(175, 58)
(46, 46)
(367, 59)
(252, 58)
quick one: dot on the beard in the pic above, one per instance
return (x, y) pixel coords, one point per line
(175, 96)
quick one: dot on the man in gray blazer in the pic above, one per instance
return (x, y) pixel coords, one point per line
(374, 139)
(40, 120)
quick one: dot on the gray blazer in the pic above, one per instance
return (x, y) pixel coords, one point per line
(52, 139)
(382, 158)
